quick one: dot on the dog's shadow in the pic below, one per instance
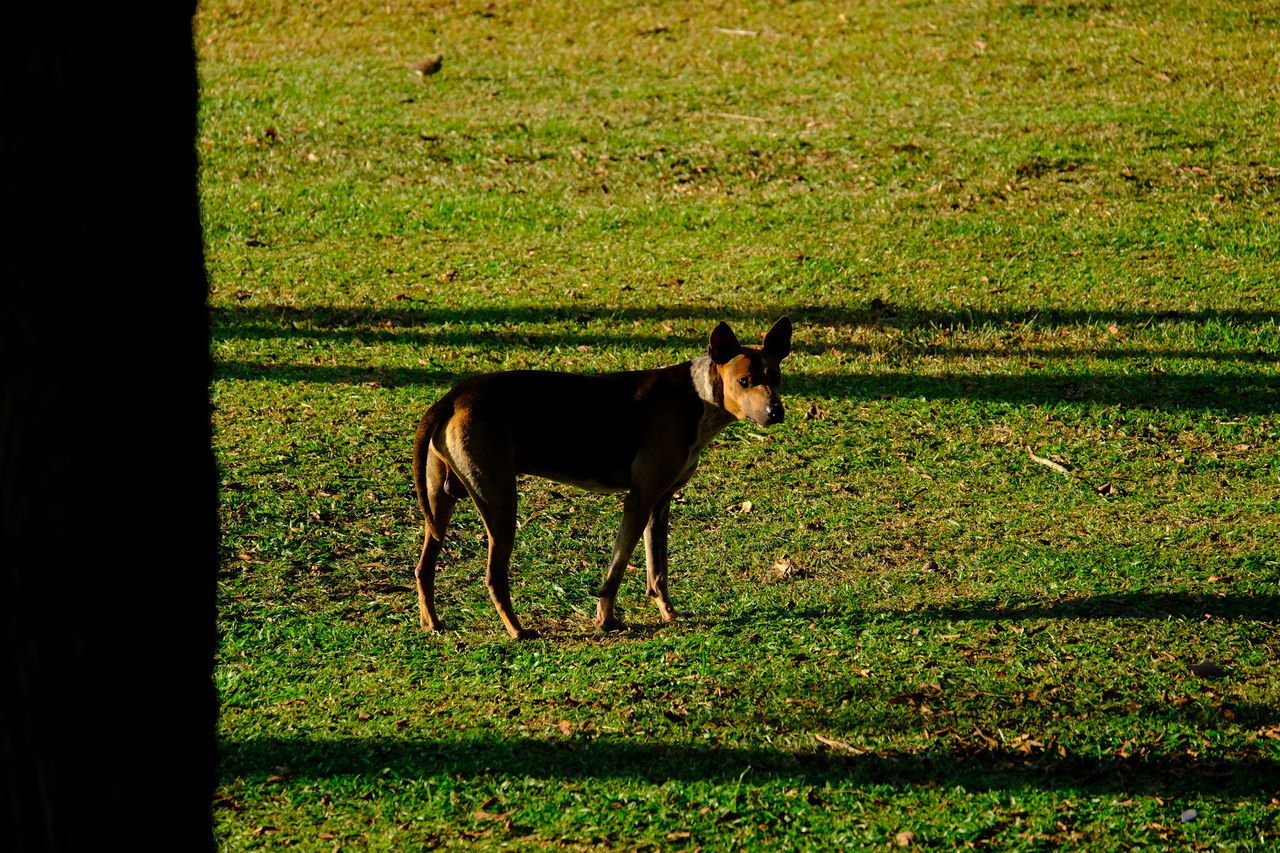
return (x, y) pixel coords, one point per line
(1233, 607)
(582, 630)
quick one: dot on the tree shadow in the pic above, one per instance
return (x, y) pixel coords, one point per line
(1117, 605)
(1224, 392)
(974, 768)
(1227, 391)
(271, 318)
(536, 327)
(1120, 605)
(251, 371)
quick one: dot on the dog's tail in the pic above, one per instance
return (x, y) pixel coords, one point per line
(431, 422)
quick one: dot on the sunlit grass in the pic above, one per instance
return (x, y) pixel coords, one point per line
(997, 227)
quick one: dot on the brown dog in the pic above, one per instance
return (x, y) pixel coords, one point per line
(638, 432)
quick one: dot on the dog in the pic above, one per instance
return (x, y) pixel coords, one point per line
(638, 432)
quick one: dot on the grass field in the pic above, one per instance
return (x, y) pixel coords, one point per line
(998, 226)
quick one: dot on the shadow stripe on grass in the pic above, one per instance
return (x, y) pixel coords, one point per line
(1227, 393)
(644, 344)
(874, 314)
(1132, 605)
(1120, 605)
(975, 768)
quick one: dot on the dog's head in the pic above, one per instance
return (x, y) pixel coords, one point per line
(750, 376)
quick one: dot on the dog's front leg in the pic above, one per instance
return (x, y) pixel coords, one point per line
(655, 547)
(635, 515)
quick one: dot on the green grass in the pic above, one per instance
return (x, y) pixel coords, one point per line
(996, 226)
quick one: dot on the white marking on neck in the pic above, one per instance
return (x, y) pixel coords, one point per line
(703, 370)
(714, 417)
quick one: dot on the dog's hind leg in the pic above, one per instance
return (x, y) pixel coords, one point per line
(442, 489)
(489, 476)
(496, 501)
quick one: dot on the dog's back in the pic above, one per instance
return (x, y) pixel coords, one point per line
(582, 430)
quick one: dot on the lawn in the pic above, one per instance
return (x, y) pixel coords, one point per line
(1007, 233)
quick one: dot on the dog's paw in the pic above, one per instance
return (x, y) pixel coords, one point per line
(525, 634)
(436, 627)
(613, 623)
(668, 612)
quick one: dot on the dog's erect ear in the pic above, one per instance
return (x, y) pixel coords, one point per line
(724, 344)
(777, 341)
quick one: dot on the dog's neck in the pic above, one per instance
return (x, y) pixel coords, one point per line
(710, 390)
(707, 382)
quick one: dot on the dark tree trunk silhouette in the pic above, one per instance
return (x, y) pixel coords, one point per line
(107, 484)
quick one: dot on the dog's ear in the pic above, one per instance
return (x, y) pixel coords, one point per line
(723, 345)
(777, 341)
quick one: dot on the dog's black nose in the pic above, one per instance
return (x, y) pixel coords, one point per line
(775, 413)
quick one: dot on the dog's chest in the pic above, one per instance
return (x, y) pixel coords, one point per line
(709, 425)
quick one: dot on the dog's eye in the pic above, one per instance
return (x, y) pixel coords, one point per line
(744, 382)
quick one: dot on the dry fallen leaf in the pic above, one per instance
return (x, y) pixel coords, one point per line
(1048, 463)
(565, 727)
(839, 744)
(787, 568)
(904, 838)
(222, 801)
